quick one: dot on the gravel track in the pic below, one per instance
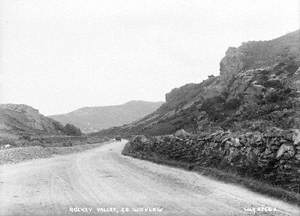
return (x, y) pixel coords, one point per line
(118, 185)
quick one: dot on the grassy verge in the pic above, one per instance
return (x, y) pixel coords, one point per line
(228, 177)
(17, 155)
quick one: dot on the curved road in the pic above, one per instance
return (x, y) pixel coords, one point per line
(101, 181)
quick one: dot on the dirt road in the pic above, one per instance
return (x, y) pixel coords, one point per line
(103, 182)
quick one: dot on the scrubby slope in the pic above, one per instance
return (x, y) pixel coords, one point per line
(22, 122)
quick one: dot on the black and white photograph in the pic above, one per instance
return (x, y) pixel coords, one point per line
(149, 107)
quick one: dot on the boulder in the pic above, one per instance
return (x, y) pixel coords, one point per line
(139, 139)
(287, 150)
(235, 142)
(182, 133)
(296, 137)
(7, 146)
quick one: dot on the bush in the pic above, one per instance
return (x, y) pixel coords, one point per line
(214, 107)
(278, 96)
(273, 84)
(58, 126)
(67, 143)
(71, 130)
(232, 104)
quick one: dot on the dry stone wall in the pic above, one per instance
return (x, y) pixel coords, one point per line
(272, 157)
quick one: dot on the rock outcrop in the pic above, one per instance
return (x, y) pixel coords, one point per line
(258, 88)
(259, 54)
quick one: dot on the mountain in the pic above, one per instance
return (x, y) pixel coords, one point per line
(91, 119)
(258, 88)
(17, 120)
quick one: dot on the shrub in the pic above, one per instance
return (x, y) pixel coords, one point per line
(214, 107)
(273, 84)
(58, 126)
(232, 104)
(278, 96)
(67, 143)
(71, 130)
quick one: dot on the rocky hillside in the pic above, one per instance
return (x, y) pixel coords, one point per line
(244, 123)
(91, 119)
(258, 88)
(18, 120)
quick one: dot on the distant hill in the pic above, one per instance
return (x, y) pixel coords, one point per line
(258, 88)
(91, 119)
(17, 120)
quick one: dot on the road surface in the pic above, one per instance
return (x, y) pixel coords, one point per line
(101, 181)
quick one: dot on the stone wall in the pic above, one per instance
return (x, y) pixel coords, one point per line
(272, 157)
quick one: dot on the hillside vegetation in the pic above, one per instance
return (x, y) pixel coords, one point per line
(244, 123)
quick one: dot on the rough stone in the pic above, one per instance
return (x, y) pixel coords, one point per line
(182, 133)
(277, 165)
(286, 149)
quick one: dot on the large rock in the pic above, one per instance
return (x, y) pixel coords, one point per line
(296, 137)
(232, 63)
(139, 139)
(182, 133)
(287, 150)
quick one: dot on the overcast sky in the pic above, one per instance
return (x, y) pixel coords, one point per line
(59, 55)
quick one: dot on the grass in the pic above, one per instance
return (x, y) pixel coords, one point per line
(19, 154)
(227, 177)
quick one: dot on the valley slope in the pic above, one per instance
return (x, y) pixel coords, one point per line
(91, 119)
(20, 123)
(258, 88)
